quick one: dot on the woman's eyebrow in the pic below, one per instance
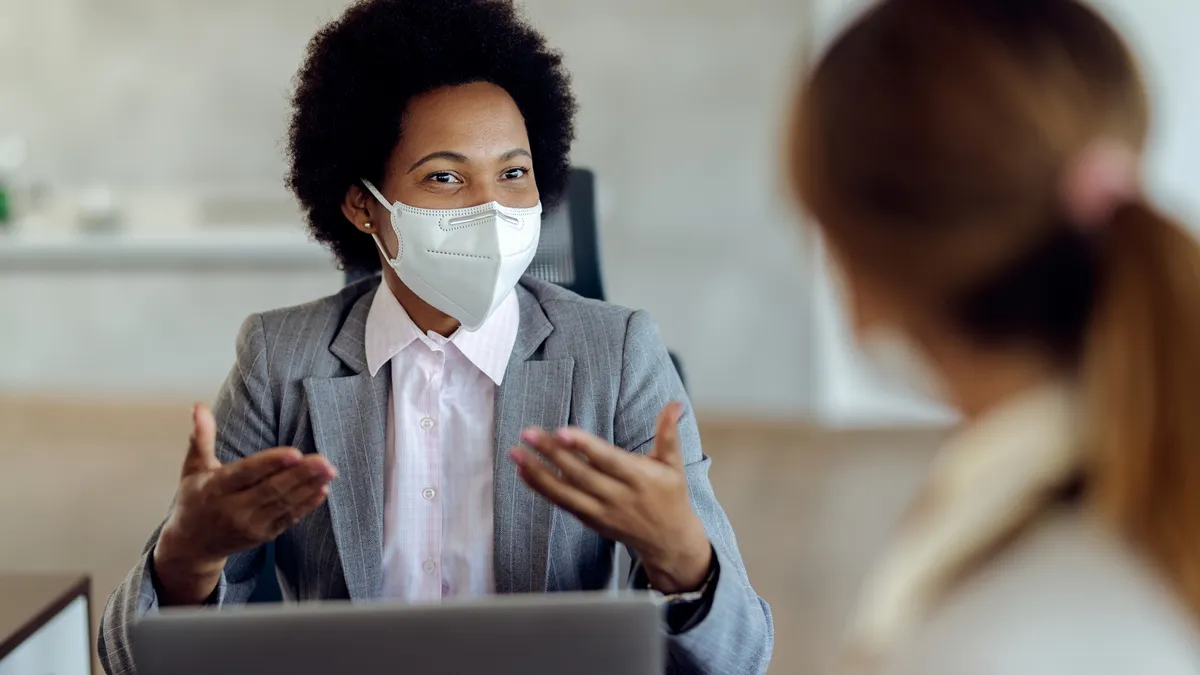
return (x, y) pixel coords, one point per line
(440, 154)
(514, 153)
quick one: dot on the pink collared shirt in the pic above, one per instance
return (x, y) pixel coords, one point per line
(437, 518)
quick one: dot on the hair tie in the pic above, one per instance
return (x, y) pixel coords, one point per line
(1099, 180)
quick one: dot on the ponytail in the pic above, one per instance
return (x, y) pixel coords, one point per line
(1141, 373)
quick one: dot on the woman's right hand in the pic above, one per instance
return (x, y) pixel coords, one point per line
(222, 509)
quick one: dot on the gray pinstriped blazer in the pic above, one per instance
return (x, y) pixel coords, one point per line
(301, 380)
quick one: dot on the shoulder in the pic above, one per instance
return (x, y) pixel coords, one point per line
(558, 302)
(329, 312)
(287, 329)
(1067, 597)
(578, 319)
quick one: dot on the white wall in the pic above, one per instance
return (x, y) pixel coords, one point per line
(681, 108)
(1163, 33)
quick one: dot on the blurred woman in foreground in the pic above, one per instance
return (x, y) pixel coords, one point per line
(974, 167)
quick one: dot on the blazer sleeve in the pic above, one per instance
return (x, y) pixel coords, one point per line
(246, 423)
(735, 636)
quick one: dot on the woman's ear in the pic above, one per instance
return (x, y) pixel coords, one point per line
(356, 209)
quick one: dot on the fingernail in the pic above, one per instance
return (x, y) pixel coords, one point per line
(564, 435)
(531, 435)
(324, 490)
(328, 468)
(516, 455)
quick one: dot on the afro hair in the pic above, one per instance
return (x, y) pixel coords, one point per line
(360, 73)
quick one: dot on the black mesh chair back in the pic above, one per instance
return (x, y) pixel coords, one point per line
(568, 252)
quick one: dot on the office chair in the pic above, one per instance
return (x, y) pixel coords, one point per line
(568, 255)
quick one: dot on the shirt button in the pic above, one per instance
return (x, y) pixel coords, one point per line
(428, 493)
(429, 566)
(426, 423)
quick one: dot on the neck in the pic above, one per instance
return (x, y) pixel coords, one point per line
(424, 315)
(979, 380)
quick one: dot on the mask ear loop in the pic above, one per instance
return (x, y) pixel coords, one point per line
(378, 195)
(375, 235)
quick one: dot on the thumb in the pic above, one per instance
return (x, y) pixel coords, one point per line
(201, 453)
(666, 436)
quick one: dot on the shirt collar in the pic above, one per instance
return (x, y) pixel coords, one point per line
(390, 330)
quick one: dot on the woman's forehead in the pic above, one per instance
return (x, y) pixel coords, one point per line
(477, 120)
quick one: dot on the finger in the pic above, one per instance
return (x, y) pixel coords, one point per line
(201, 453)
(573, 468)
(542, 480)
(666, 436)
(301, 511)
(604, 456)
(301, 502)
(250, 471)
(284, 521)
(311, 473)
(271, 519)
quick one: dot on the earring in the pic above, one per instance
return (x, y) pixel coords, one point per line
(367, 226)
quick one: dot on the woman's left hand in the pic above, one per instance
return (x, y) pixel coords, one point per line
(639, 501)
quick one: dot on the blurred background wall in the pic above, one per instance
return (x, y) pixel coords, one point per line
(177, 109)
(174, 113)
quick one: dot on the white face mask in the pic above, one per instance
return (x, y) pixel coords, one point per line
(464, 262)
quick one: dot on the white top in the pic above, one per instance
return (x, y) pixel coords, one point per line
(437, 519)
(1066, 596)
(1068, 599)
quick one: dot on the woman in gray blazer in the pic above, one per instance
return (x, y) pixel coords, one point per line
(374, 435)
(974, 167)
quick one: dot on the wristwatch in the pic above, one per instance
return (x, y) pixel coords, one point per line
(689, 596)
(686, 609)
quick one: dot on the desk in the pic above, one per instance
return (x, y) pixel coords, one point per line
(45, 625)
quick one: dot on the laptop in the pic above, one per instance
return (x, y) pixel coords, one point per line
(575, 633)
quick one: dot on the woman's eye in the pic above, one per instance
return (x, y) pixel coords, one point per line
(515, 173)
(443, 177)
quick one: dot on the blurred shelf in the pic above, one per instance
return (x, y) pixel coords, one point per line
(189, 251)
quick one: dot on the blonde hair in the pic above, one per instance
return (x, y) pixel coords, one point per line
(930, 145)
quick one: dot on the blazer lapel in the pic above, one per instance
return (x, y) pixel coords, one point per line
(349, 421)
(533, 393)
